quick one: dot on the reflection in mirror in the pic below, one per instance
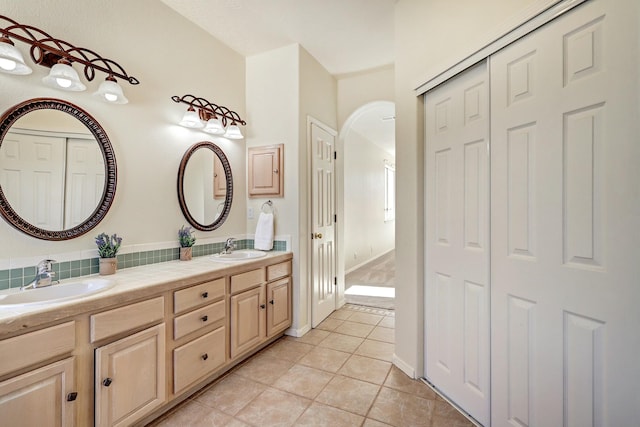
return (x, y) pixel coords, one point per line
(205, 186)
(54, 182)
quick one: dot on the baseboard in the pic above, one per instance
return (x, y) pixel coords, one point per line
(298, 332)
(404, 366)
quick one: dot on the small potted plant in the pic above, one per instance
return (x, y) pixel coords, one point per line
(187, 240)
(108, 248)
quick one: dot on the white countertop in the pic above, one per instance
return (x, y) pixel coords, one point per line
(128, 284)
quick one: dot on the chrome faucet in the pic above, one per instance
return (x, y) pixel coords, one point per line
(229, 245)
(44, 277)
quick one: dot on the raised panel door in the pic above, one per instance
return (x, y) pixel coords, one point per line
(278, 306)
(130, 377)
(247, 320)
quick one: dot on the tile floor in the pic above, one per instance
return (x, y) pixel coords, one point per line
(339, 374)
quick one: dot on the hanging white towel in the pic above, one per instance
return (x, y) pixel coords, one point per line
(263, 239)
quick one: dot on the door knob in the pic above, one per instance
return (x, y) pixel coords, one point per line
(317, 235)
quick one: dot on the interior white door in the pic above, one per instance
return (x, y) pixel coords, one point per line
(565, 222)
(457, 241)
(323, 265)
(85, 180)
(32, 177)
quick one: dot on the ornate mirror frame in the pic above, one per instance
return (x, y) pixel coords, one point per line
(109, 191)
(229, 186)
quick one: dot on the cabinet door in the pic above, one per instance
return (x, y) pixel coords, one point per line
(39, 398)
(247, 320)
(130, 377)
(266, 175)
(278, 306)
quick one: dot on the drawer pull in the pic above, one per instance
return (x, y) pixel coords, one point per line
(205, 356)
(263, 306)
(107, 382)
(271, 302)
(205, 295)
(72, 396)
(205, 318)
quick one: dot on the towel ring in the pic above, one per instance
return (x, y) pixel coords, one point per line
(269, 204)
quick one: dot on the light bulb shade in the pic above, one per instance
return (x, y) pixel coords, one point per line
(214, 126)
(111, 92)
(191, 120)
(11, 60)
(63, 76)
(233, 132)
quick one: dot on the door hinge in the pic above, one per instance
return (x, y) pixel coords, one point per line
(335, 155)
(335, 281)
(335, 218)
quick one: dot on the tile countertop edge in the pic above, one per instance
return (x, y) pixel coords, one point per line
(131, 285)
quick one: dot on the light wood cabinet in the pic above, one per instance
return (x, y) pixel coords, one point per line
(130, 377)
(121, 361)
(266, 171)
(43, 397)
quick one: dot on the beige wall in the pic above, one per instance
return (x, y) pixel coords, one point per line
(358, 89)
(430, 36)
(170, 56)
(284, 86)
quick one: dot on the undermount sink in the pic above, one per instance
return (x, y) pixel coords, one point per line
(241, 255)
(56, 293)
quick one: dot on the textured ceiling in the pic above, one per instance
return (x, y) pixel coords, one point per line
(345, 36)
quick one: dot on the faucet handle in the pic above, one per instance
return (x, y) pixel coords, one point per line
(44, 266)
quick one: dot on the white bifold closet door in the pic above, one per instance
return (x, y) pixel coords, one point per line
(565, 222)
(457, 240)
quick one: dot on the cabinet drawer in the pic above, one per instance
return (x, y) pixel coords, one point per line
(35, 347)
(198, 295)
(247, 280)
(127, 318)
(198, 358)
(277, 271)
(197, 319)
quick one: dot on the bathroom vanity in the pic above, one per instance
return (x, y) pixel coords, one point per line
(125, 355)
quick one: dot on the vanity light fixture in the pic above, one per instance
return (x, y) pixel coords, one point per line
(209, 117)
(59, 55)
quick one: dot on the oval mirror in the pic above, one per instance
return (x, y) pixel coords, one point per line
(205, 186)
(57, 169)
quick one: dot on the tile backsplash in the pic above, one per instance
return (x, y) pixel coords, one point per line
(16, 277)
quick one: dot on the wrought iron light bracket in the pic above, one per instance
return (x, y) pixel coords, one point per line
(208, 110)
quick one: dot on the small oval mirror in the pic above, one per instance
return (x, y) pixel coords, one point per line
(57, 169)
(205, 186)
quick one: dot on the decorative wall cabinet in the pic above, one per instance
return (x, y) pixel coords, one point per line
(266, 171)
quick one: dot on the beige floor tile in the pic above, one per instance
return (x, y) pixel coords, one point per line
(401, 409)
(367, 318)
(382, 334)
(376, 349)
(236, 423)
(325, 359)
(448, 422)
(231, 394)
(373, 423)
(346, 343)
(288, 350)
(355, 329)
(330, 324)
(398, 380)
(342, 314)
(365, 369)
(264, 368)
(445, 410)
(349, 394)
(303, 381)
(274, 408)
(319, 415)
(388, 322)
(312, 337)
(195, 414)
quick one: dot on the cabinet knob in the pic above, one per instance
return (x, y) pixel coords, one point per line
(275, 171)
(271, 302)
(107, 382)
(205, 356)
(205, 295)
(263, 306)
(72, 396)
(205, 318)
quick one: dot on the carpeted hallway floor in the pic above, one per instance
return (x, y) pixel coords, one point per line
(373, 284)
